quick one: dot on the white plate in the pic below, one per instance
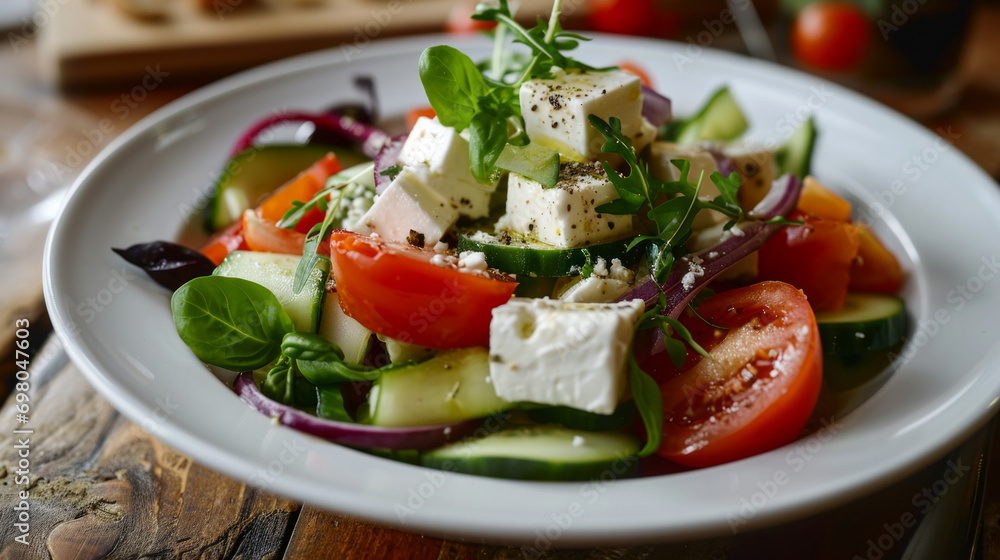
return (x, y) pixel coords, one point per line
(943, 219)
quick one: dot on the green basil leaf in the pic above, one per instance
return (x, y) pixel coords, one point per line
(649, 402)
(453, 85)
(488, 136)
(330, 404)
(321, 362)
(279, 384)
(230, 322)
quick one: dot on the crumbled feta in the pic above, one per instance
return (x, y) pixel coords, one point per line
(440, 157)
(472, 261)
(444, 261)
(441, 247)
(578, 441)
(570, 354)
(556, 111)
(409, 212)
(695, 271)
(602, 286)
(566, 214)
(859, 335)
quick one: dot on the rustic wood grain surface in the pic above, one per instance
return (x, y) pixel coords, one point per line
(103, 487)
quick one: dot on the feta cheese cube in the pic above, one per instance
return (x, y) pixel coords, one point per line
(409, 212)
(564, 354)
(661, 156)
(440, 157)
(556, 111)
(565, 215)
(757, 168)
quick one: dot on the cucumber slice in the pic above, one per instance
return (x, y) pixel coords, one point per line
(449, 387)
(257, 171)
(719, 120)
(545, 452)
(575, 419)
(866, 322)
(533, 161)
(795, 156)
(275, 272)
(349, 335)
(521, 256)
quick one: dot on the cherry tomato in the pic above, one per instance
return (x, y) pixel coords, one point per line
(300, 189)
(758, 387)
(820, 202)
(225, 242)
(832, 36)
(460, 20)
(815, 257)
(414, 114)
(624, 17)
(876, 269)
(636, 70)
(395, 290)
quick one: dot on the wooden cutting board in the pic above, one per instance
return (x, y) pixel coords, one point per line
(93, 44)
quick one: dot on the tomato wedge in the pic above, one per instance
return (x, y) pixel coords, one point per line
(396, 291)
(225, 242)
(876, 269)
(300, 189)
(263, 235)
(815, 257)
(759, 385)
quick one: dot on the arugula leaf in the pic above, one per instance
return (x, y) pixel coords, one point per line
(636, 188)
(453, 85)
(230, 322)
(649, 403)
(391, 172)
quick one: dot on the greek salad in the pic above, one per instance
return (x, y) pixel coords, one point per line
(546, 274)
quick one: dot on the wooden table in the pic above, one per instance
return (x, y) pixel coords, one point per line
(104, 487)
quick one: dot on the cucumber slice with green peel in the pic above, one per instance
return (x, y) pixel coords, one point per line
(449, 387)
(795, 156)
(350, 336)
(259, 170)
(533, 161)
(521, 256)
(623, 417)
(276, 272)
(719, 120)
(866, 322)
(543, 452)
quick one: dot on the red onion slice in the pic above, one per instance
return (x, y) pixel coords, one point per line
(656, 108)
(780, 201)
(386, 157)
(371, 139)
(355, 435)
